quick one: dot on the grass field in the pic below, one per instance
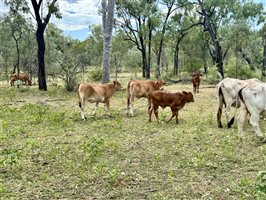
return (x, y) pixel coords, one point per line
(48, 152)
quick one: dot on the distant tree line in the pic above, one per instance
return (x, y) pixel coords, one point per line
(159, 39)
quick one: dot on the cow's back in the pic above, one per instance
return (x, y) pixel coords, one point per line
(141, 88)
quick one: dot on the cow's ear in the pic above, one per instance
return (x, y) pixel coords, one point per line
(114, 82)
(184, 92)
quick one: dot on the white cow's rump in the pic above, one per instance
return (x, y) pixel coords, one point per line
(253, 102)
(227, 92)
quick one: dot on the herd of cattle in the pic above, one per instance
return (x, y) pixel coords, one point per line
(249, 95)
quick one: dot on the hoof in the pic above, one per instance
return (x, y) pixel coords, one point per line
(263, 140)
(220, 126)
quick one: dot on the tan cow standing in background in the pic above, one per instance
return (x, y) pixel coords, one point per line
(139, 89)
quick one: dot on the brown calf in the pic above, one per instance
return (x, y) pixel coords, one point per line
(96, 93)
(139, 89)
(175, 101)
(195, 82)
(22, 77)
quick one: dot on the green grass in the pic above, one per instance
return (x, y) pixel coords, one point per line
(48, 152)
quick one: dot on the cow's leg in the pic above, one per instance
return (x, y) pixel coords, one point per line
(194, 89)
(176, 117)
(254, 121)
(130, 105)
(241, 119)
(96, 106)
(150, 112)
(107, 106)
(156, 113)
(82, 107)
(227, 111)
(174, 112)
(197, 88)
(220, 111)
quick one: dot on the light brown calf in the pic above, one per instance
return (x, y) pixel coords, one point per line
(96, 93)
(139, 89)
(22, 77)
(175, 101)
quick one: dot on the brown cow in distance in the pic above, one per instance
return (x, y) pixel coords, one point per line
(175, 101)
(96, 93)
(139, 89)
(195, 82)
(22, 77)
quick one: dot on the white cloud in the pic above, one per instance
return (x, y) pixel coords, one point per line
(77, 15)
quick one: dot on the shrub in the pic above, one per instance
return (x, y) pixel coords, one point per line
(96, 74)
(213, 77)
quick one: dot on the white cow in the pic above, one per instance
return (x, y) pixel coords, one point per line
(253, 102)
(227, 91)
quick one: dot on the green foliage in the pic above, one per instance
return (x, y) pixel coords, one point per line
(242, 72)
(9, 157)
(261, 182)
(96, 74)
(213, 77)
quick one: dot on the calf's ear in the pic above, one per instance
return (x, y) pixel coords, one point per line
(184, 92)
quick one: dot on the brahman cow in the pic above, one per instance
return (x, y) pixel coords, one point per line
(175, 101)
(22, 77)
(227, 92)
(253, 102)
(139, 89)
(96, 93)
(195, 82)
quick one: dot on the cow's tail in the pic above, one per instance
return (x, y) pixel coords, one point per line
(79, 95)
(128, 94)
(242, 99)
(231, 122)
(221, 102)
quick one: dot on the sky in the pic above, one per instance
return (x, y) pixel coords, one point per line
(78, 15)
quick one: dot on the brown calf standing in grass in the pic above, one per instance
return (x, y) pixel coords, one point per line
(22, 76)
(175, 101)
(96, 93)
(195, 82)
(139, 89)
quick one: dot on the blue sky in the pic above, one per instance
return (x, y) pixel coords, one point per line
(78, 15)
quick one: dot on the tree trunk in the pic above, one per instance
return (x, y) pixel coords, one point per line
(176, 59)
(108, 19)
(148, 67)
(247, 59)
(161, 41)
(41, 52)
(176, 54)
(144, 59)
(218, 50)
(18, 61)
